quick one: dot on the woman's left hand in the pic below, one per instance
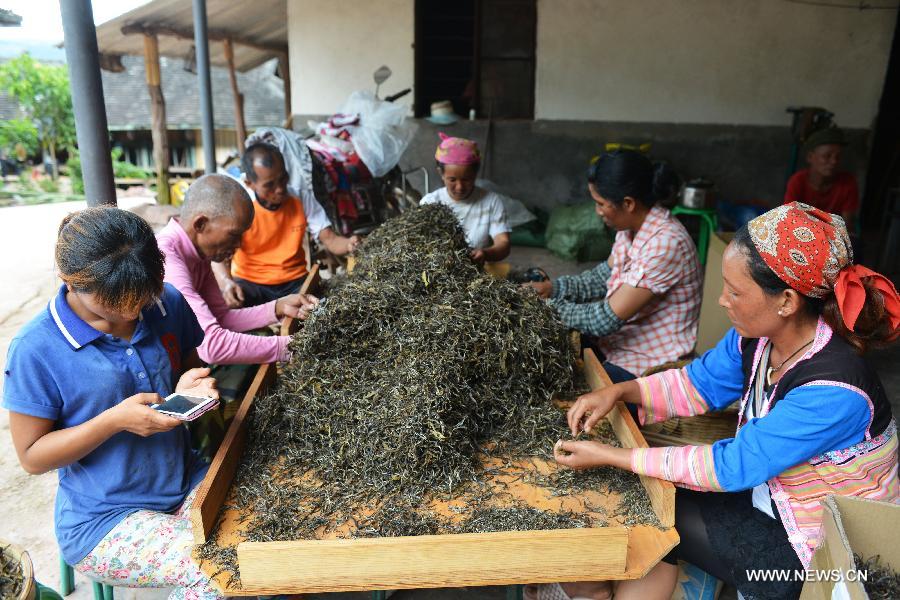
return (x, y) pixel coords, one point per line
(588, 454)
(197, 382)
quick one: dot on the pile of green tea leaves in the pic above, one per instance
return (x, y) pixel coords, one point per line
(412, 369)
(881, 582)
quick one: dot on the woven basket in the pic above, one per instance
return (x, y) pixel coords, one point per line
(17, 553)
(701, 430)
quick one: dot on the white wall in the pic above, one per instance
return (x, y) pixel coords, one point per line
(736, 62)
(708, 61)
(336, 45)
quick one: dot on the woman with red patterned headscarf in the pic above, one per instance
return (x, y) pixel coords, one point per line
(814, 419)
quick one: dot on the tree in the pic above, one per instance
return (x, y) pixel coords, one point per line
(42, 92)
(19, 131)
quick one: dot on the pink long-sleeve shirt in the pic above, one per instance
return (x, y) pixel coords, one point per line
(222, 343)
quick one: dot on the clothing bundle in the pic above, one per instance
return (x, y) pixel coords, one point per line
(333, 152)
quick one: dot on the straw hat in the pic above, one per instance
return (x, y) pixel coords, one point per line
(442, 113)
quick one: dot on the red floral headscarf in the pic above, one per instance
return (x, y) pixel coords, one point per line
(809, 249)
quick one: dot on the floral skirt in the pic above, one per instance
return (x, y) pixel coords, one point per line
(151, 549)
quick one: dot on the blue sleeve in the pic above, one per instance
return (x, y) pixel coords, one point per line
(29, 387)
(187, 328)
(718, 375)
(810, 420)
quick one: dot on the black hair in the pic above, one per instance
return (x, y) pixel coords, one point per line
(260, 153)
(872, 328)
(626, 173)
(111, 253)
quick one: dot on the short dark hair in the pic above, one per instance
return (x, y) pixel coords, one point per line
(260, 153)
(626, 173)
(111, 253)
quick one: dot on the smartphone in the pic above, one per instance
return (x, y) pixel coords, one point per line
(186, 408)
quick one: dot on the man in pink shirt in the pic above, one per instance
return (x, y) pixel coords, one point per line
(214, 216)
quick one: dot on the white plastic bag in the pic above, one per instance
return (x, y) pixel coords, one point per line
(516, 212)
(383, 133)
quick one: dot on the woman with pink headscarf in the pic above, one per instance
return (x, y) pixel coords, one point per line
(480, 212)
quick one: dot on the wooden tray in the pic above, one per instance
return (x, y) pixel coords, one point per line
(431, 561)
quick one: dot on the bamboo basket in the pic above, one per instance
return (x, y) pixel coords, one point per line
(17, 553)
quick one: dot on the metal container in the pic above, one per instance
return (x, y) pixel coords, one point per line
(696, 193)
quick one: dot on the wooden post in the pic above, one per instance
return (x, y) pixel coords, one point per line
(158, 114)
(285, 69)
(239, 126)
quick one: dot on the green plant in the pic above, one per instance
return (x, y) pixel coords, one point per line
(42, 92)
(19, 131)
(121, 168)
(48, 185)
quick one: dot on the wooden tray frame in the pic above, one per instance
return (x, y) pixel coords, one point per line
(432, 561)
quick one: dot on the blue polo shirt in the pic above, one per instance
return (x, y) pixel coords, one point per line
(61, 368)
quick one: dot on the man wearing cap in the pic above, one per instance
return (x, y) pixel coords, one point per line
(823, 185)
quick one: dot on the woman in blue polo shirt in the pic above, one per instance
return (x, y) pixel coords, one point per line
(79, 381)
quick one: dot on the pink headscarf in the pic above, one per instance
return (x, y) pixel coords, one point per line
(457, 151)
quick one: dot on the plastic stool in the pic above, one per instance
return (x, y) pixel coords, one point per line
(709, 223)
(46, 593)
(67, 583)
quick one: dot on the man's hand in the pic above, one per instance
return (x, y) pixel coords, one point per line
(544, 289)
(477, 256)
(297, 306)
(353, 243)
(233, 294)
(133, 414)
(197, 382)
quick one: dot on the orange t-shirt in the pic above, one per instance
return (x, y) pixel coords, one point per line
(271, 251)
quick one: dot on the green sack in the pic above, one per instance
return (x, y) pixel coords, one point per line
(578, 233)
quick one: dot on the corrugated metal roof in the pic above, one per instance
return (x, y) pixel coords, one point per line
(128, 102)
(261, 23)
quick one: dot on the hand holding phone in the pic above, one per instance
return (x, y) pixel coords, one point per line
(184, 407)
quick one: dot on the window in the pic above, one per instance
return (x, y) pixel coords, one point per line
(478, 54)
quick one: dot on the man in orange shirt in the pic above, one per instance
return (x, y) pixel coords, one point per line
(271, 262)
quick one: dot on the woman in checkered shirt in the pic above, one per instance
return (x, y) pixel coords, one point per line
(643, 304)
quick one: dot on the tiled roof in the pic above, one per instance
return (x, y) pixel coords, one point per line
(128, 102)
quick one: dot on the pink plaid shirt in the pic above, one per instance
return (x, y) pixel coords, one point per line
(661, 258)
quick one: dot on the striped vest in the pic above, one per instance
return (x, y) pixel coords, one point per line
(867, 469)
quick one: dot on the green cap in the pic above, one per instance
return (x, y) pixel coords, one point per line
(829, 135)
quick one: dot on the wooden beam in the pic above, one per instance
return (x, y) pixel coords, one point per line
(285, 68)
(218, 36)
(239, 126)
(158, 115)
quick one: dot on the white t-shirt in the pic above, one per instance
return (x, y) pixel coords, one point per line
(481, 215)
